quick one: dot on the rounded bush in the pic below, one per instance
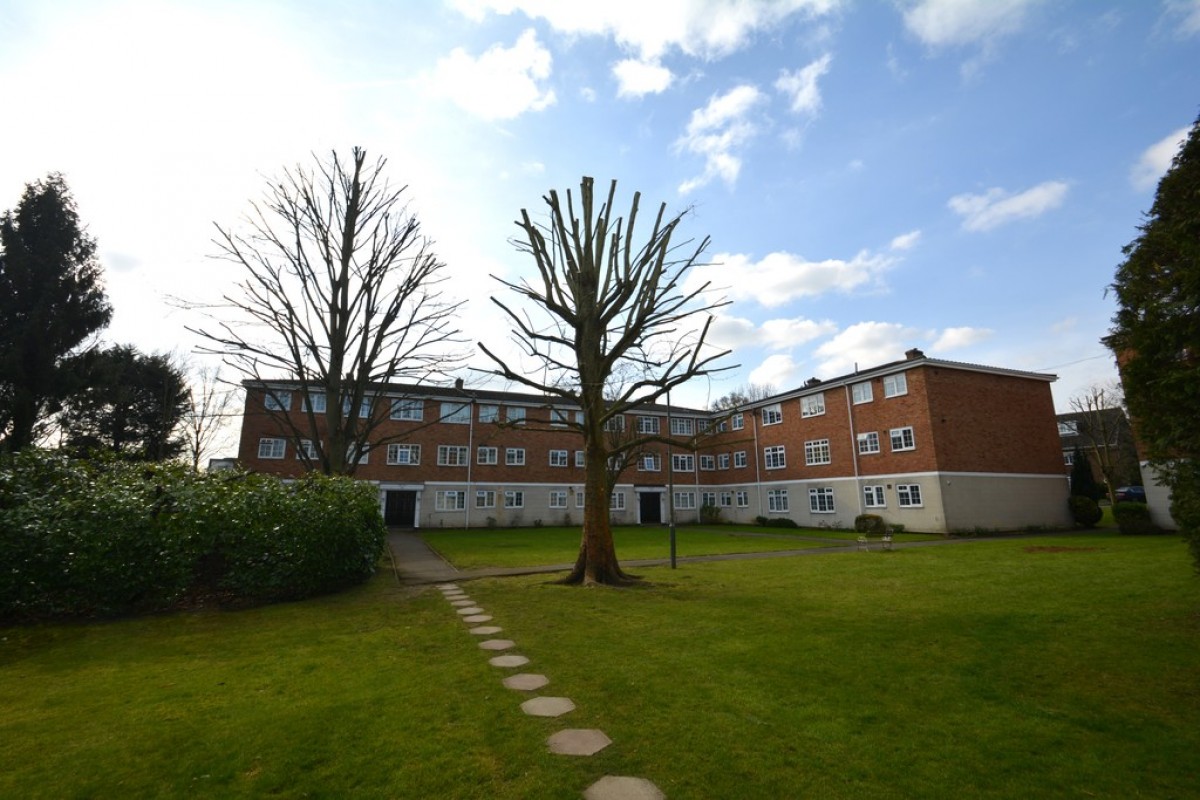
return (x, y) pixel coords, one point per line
(1134, 519)
(870, 524)
(1084, 510)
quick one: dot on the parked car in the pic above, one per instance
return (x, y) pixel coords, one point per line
(1131, 494)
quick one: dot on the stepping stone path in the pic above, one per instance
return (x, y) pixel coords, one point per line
(569, 742)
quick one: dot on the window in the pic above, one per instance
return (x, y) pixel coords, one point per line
(702, 425)
(685, 500)
(777, 501)
(813, 405)
(459, 413)
(277, 400)
(271, 448)
(485, 498)
(558, 498)
(363, 453)
(487, 455)
(559, 458)
(616, 423)
(579, 499)
(708, 463)
(861, 392)
(683, 463)
(647, 425)
(514, 456)
(682, 426)
(873, 497)
(364, 407)
(868, 443)
(1069, 428)
(774, 457)
(820, 501)
(452, 500)
(708, 499)
(816, 452)
(307, 450)
(404, 454)
(413, 410)
(580, 459)
(909, 495)
(772, 415)
(452, 456)
(489, 413)
(315, 402)
(895, 385)
(1069, 458)
(617, 502)
(514, 414)
(737, 421)
(743, 499)
(579, 417)
(514, 499)
(739, 459)
(723, 461)
(726, 499)
(559, 418)
(649, 462)
(902, 439)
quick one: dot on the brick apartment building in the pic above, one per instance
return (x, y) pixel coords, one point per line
(933, 445)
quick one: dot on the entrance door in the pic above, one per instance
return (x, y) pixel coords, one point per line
(400, 508)
(650, 507)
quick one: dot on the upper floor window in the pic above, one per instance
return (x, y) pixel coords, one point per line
(683, 463)
(271, 448)
(772, 415)
(816, 452)
(774, 457)
(723, 461)
(649, 462)
(315, 402)
(616, 423)
(364, 407)
(647, 425)
(739, 459)
(702, 425)
(902, 439)
(559, 458)
(868, 443)
(514, 456)
(358, 453)
(813, 405)
(708, 463)
(306, 450)
(407, 409)
(682, 426)
(459, 413)
(895, 385)
(276, 400)
(1069, 458)
(514, 414)
(1068, 428)
(580, 459)
(861, 392)
(487, 455)
(559, 417)
(403, 454)
(489, 413)
(737, 421)
(451, 456)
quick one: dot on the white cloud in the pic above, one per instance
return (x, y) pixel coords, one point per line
(906, 241)
(801, 86)
(1156, 159)
(717, 131)
(734, 333)
(503, 83)
(1065, 325)
(781, 277)
(954, 23)
(706, 29)
(638, 78)
(957, 338)
(1185, 17)
(865, 344)
(779, 369)
(982, 212)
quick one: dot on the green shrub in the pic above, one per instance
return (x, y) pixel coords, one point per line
(870, 524)
(781, 522)
(1134, 519)
(1084, 510)
(761, 520)
(710, 514)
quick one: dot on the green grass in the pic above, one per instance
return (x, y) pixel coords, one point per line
(477, 548)
(1049, 667)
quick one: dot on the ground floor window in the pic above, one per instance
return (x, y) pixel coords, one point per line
(909, 495)
(820, 501)
(777, 500)
(617, 502)
(873, 497)
(514, 499)
(685, 500)
(726, 499)
(451, 500)
(743, 499)
(558, 499)
(485, 498)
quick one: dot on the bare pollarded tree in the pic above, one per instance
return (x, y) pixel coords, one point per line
(607, 326)
(206, 418)
(340, 296)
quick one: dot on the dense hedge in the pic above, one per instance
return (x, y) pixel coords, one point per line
(1084, 510)
(1134, 519)
(82, 538)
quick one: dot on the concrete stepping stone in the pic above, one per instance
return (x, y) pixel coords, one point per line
(453, 593)
(526, 682)
(508, 661)
(613, 787)
(462, 603)
(446, 586)
(486, 630)
(547, 706)
(497, 644)
(578, 742)
(470, 610)
(478, 618)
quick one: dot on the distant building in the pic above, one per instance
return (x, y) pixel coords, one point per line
(222, 464)
(933, 445)
(1100, 435)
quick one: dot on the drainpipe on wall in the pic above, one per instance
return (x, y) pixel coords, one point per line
(862, 509)
(470, 457)
(757, 465)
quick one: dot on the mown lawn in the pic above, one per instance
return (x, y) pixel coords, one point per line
(477, 548)
(1049, 667)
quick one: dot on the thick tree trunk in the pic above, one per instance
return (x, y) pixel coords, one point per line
(597, 561)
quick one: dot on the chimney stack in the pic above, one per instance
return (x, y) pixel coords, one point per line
(913, 354)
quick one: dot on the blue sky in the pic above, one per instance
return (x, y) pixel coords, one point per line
(954, 175)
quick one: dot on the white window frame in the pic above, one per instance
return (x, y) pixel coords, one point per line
(487, 456)
(408, 410)
(485, 498)
(514, 456)
(726, 499)
(861, 393)
(772, 414)
(559, 417)
(364, 453)
(275, 400)
(737, 421)
(272, 447)
(683, 462)
(460, 457)
(558, 498)
(559, 458)
(683, 426)
(742, 498)
(413, 458)
(306, 447)
(895, 385)
(616, 501)
(364, 407)
(816, 453)
(649, 462)
(685, 501)
(777, 501)
(908, 495)
(708, 499)
(514, 498)
(739, 459)
(775, 457)
(455, 413)
(874, 497)
(648, 425)
(579, 499)
(868, 443)
(514, 413)
(450, 500)
(813, 405)
(616, 423)
(489, 413)
(906, 438)
(580, 459)
(1068, 458)
(1068, 428)
(821, 500)
(315, 402)
(708, 463)
(723, 461)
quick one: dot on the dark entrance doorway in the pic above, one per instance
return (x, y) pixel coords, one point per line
(400, 508)
(650, 508)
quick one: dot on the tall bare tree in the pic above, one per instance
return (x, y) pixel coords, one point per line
(341, 295)
(746, 393)
(604, 326)
(210, 405)
(1105, 431)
